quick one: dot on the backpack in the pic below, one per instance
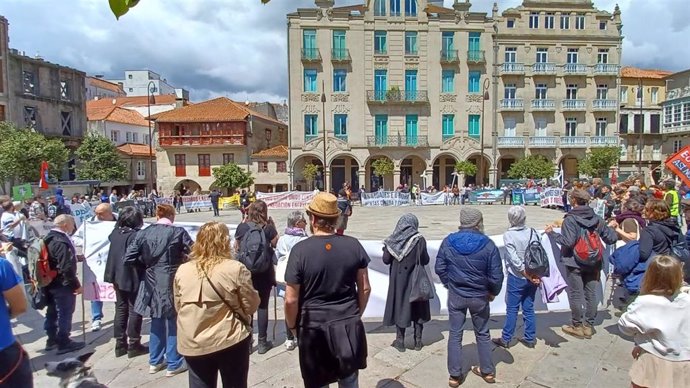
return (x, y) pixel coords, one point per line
(40, 273)
(536, 260)
(588, 250)
(679, 250)
(253, 252)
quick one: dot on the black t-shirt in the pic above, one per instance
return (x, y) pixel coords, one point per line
(269, 230)
(326, 268)
(214, 196)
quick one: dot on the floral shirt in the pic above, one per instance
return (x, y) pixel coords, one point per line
(36, 211)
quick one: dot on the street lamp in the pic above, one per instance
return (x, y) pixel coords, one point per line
(640, 92)
(150, 90)
(485, 96)
(323, 120)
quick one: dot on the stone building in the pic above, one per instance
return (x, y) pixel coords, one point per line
(194, 139)
(641, 94)
(676, 112)
(98, 88)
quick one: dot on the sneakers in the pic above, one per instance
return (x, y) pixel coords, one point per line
(528, 344)
(51, 345)
(264, 346)
(69, 347)
(153, 369)
(588, 331)
(290, 344)
(500, 343)
(96, 325)
(575, 331)
(137, 349)
(175, 372)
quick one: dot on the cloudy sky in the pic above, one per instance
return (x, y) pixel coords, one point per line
(237, 48)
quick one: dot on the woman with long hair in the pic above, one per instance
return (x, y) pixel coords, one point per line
(659, 321)
(257, 216)
(215, 301)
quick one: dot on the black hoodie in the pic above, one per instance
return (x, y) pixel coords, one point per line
(580, 217)
(656, 238)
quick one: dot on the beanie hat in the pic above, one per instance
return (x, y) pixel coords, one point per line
(470, 218)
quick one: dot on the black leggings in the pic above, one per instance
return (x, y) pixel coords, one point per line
(15, 367)
(232, 363)
(262, 312)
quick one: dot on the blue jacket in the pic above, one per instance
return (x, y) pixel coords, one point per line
(469, 264)
(627, 264)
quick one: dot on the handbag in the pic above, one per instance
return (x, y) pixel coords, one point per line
(240, 318)
(422, 289)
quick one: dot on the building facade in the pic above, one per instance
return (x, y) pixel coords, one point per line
(98, 88)
(676, 113)
(194, 139)
(4, 53)
(642, 92)
(118, 124)
(144, 82)
(141, 166)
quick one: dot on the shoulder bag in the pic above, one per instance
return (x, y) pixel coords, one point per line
(234, 313)
(421, 288)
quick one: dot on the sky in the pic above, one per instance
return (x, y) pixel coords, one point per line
(237, 48)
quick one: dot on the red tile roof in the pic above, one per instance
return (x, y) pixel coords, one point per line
(280, 151)
(164, 99)
(132, 149)
(219, 109)
(103, 84)
(634, 72)
(114, 114)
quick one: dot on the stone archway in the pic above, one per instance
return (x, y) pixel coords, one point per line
(412, 171)
(504, 164)
(482, 176)
(299, 182)
(443, 169)
(375, 182)
(569, 164)
(187, 187)
(344, 168)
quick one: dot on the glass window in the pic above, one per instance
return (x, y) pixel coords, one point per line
(447, 81)
(339, 80)
(676, 113)
(542, 55)
(602, 91)
(534, 20)
(447, 41)
(380, 8)
(601, 125)
(281, 167)
(473, 125)
(339, 44)
(228, 158)
(565, 22)
(624, 94)
(411, 7)
(686, 111)
(509, 91)
(380, 127)
(510, 54)
(448, 126)
(411, 129)
(668, 116)
(135, 138)
(141, 169)
(602, 25)
(380, 46)
(510, 23)
(580, 21)
(509, 127)
(308, 40)
(541, 92)
(570, 126)
(310, 80)
(571, 92)
(411, 42)
(395, 8)
(655, 95)
(340, 125)
(310, 126)
(548, 20)
(677, 145)
(474, 43)
(540, 127)
(180, 165)
(115, 136)
(571, 56)
(473, 82)
(380, 80)
(204, 164)
(603, 56)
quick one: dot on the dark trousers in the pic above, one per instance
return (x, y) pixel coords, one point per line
(582, 293)
(232, 363)
(216, 213)
(15, 368)
(262, 312)
(457, 314)
(58, 324)
(127, 323)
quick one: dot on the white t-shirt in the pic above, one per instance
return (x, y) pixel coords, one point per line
(6, 220)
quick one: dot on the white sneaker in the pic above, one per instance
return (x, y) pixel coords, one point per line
(181, 369)
(290, 344)
(96, 325)
(153, 369)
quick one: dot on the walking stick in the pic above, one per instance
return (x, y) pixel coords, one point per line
(275, 311)
(83, 305)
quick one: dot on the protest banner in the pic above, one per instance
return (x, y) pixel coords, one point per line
(22, 192)
(286, 199)
(164, 201)
(551, 196)
(518, 197)
(385, 198)
(227, 203)
(679, 164)
(486, 196)
(438, 198)
(196, 202)
(81, 212)
(532, 196)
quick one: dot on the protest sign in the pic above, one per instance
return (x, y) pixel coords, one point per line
(486, 196)
(22, 192)
(196, 202)
(679, 163)
(286, 199)
(438, 198)
(385, 198)
(551, 196)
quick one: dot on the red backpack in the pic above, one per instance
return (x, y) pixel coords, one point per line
(588, 249)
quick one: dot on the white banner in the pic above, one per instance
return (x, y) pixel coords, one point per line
(551, 196)
(385, 198)
(196, 202)
(81, 212)
(438, 198)
(287, 199)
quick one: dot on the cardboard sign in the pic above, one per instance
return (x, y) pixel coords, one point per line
(680, 165)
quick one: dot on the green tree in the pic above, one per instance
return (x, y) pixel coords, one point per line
(599, 161)
(465, 167)
(121, 7)
(98, 159)
(232, 177)
(533, 166)
(382, 167)
(309, 172)
(23, 150)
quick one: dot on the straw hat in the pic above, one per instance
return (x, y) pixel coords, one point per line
(324, 205)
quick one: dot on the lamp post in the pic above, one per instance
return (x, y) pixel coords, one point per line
(640, 91)
(485, 96)
(323, 120)
(150, 89)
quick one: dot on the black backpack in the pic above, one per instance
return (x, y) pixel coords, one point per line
(253, 252)
(536, 260)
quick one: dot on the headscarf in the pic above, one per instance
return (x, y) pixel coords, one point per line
(404, 237)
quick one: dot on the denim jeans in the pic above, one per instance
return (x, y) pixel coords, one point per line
(582, 294)
(96, 310)
(479, 312)
(351, 381)
(163, 342)
(519, 292)
(58, 323)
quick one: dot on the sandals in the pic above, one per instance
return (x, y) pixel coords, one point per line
(454, 382)
(488, 378)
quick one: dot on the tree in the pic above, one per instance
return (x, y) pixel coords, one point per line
(121, 7)
(98, 159)
(599, 161)
(309, 172)
(533, 166)
(382, 167)
(466, 168)
(232, 177)
(23, 150)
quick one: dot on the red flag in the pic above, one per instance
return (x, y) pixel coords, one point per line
(680, 164)
(43, 182)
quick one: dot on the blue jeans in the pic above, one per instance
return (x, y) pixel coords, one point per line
(58, 324)
(351, 381)
(163, 343)
(520, 292)
(96, 310)
(479, 312)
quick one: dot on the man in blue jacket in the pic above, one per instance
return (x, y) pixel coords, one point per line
(469, 266)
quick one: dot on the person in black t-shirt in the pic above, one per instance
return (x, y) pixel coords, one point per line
(215, 196)
(263, 281)
(326, 294)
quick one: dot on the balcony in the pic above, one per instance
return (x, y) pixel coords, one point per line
(513, 68)
(606, 69)
(543, 68)
(449, 56)
(475, 57)
(542, 142)
(543, 104)
(603, 141)
(575, 69)
(341, 55)
(573, 141)
(311, 55)
(511, 142)
(205, 140)
(512, 104)
(675, 128)
(394, 96)
(399, 141)
(605, 105)
(574, 105)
